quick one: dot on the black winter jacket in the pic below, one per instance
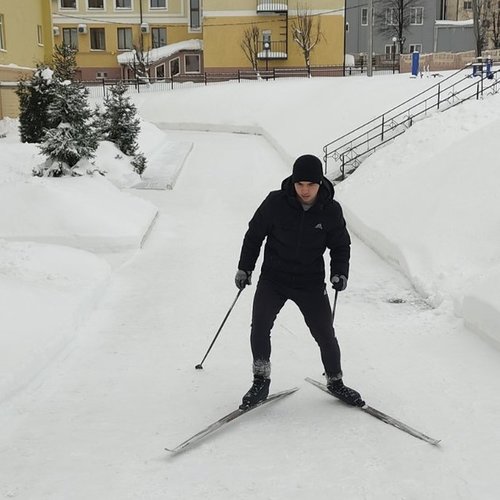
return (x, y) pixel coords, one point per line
(297, 239)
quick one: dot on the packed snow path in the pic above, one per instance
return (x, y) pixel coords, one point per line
(94, 425)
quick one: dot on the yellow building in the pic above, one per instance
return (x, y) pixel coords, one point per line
(225, 21)
(101, 30)
(25, 41)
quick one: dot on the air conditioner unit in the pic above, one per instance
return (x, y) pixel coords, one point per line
(144, 28)
(56, 30)
(82, 28)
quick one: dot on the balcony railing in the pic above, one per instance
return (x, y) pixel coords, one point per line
(272, 50)
(272, 6)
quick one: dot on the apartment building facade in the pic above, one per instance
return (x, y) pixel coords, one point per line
(225, 21)
(25, 41)
(427, 31)
(103, 31)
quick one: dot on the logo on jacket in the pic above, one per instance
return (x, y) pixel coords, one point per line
(318, 226)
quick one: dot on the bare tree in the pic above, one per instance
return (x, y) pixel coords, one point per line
(480, 23)
(250, 45)
(306, 33)
(140, 63)
(495, 25)
(393, 18)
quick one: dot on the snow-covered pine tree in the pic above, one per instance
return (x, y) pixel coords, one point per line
(35, 95)
(71, 136)
(64, 62)
(120, 123)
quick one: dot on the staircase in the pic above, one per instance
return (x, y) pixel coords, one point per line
(343, 155)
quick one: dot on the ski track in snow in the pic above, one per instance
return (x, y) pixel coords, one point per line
(94, 425)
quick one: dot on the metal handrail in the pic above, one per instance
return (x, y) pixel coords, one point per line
(398, 106)
(480, 88)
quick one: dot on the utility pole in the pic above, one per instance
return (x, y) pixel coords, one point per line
(345, 29)
(369, 61)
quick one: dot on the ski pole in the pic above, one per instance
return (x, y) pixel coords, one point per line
(200, 366)
(334, 305)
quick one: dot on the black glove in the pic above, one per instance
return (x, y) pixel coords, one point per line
(242, 279)
(339, 282)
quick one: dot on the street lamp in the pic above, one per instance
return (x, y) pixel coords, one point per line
(267, 47)
(394, 40)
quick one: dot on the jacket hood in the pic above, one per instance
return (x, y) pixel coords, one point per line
(325, 194)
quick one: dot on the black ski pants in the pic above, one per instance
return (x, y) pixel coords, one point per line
(314, 305)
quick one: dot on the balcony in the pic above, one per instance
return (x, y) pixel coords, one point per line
(272, 50)
(272, 6)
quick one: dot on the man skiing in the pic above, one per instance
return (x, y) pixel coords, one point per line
(299, 222)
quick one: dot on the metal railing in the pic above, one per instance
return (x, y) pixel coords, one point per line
(99, 88)
(272, 5)
(349, 150)
(272, 50)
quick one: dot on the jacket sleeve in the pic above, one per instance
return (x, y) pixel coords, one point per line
(339, 243)
(258, 229)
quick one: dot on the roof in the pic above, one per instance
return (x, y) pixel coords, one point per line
(154, 55)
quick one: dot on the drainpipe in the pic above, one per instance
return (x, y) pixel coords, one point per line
(140, 26)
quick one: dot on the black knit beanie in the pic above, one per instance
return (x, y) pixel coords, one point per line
(308, 168)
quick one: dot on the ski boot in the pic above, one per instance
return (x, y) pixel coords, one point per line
(258, 392)
(344, 393)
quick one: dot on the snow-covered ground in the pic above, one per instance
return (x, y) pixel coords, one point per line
(109, 296)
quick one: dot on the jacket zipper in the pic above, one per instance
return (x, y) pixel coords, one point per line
(299, 238)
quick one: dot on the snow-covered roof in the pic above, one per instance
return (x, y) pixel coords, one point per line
(468, 22)
(269, 54)
(15, 66)
(154, 55)
(270, 5)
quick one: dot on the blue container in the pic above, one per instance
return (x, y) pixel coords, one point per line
(415, 61)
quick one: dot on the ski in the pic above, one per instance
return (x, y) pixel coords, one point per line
(228, 418)
(382, 416)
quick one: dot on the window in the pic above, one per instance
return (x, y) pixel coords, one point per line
(194, 14)
(68, 4)
(124, 38)
(96, 4)
(160, 71)
(468, 5)
(158, 4)
(390, 52)
(2, 33)
(97, 39)
(174, 67)
(70, 37)
(390, 16)
(192, 63)
(416, 15)
(123, 4)
(39, 34)
(364, 17)
(101, 74)
(415, 47)
(158, 37)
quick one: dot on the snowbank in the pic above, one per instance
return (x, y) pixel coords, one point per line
(46, 292)
(83, 212)
(427, 204)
